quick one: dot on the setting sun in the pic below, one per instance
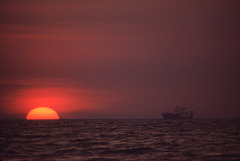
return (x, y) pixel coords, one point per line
(42, 113)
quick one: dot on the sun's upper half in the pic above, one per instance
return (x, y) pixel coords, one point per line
(42, 113)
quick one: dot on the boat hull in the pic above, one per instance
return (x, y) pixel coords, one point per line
(177, 116)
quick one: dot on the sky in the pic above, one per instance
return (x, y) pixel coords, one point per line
(120, 58)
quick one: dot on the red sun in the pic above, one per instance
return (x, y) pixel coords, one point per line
(42, 113)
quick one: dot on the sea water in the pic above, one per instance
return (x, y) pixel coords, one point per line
(120, 140)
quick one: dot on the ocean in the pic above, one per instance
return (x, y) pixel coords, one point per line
(120, 140)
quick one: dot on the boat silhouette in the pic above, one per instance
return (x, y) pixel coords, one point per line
(178, 113)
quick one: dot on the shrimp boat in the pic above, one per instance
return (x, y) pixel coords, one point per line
(178, 113)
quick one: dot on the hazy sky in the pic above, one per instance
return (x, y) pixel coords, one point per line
(120, 58)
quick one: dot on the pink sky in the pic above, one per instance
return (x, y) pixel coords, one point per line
(120, 59)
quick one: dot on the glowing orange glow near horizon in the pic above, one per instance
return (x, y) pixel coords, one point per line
(42, 113)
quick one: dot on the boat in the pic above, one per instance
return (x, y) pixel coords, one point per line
(178, 113)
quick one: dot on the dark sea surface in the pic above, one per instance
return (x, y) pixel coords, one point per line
(120, 140)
